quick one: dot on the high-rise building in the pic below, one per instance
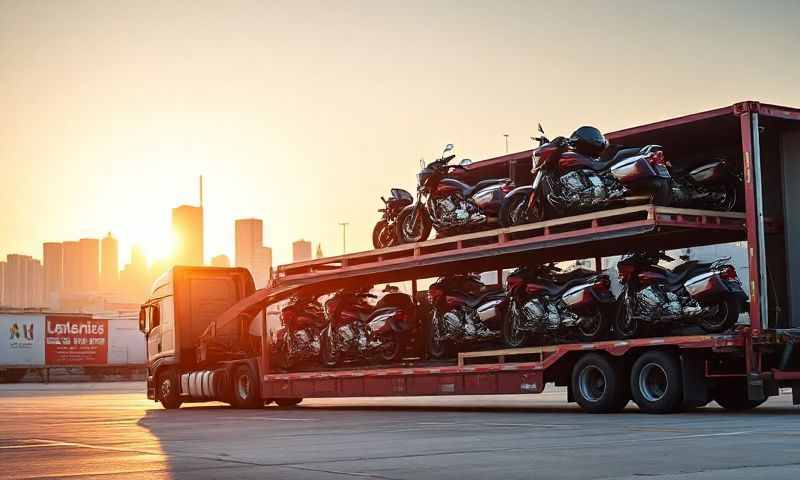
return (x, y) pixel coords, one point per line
(15, 280)
(250, 251)
(2, 282)
(109, 263)
(89, 264)
(72, 266)
(134, 278)
(187, 228)
(301, 250)
(53, 259)
(220, 261)
(34, 283)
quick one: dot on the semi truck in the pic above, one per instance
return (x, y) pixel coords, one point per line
(209, 335)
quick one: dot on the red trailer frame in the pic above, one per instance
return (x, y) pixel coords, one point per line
(603, 233)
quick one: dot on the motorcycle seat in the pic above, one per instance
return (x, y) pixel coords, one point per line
(599, 165)
(485, 296)
(483, 184)
(682, 272)
(558, 289)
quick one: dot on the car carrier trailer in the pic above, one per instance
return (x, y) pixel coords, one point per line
(739, 369)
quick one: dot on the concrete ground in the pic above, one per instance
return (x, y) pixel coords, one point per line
(112, 431)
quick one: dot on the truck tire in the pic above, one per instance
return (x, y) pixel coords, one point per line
(167, 389)
(599, 385)
(288, 402)
(657, 382)
(245, 388)
(732, 395)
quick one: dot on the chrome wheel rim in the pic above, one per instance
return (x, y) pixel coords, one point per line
(592, 383)
(166, 388)
(515, 335)
(589, 326)
(653, 382)
(408, 229)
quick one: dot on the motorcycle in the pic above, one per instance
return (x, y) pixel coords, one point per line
(706, 293)
(545, 302)
(712, 186)
(581, 174)
(358, 331)
(298, 340)
(384, 234)
(449, 205)
(465, 311)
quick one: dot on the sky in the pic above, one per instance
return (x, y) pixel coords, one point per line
(304, 113)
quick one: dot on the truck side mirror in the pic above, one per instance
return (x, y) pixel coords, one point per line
(155, 317)
(142, 320)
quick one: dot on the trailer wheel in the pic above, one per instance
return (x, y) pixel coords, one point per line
(288, 402)
(599, 385)
(245, 388)
(732, 395)
(167, 388)
(657, 382)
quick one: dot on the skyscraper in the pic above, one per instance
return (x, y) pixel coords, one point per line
(187, 228)
(53, 259)
(89, 264)
(134, 278)
(220, 261)
(14, 280)
(109, 263)
(2, 282)
(250, 251)
(301, 250)
(72, 266)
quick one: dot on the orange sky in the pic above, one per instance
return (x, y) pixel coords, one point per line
(304, 113)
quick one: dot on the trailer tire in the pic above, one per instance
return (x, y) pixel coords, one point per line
(245, 388)
(288, 402)
(167, 388)
(732, 395)
(657, 382)
(599, 385)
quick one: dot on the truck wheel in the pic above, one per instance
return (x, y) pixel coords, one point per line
(167, 388)
(599, 385)
(657, 382)
(245, 388)
(726, 316)
(732, 395)
(288, 402)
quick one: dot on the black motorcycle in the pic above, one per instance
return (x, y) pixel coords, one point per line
(693, 292)
(362, 332)
(298, 340)
(384, 234)
(465, 312)
(582, 174)
(713, 186)
(449, 205)
(555, 306)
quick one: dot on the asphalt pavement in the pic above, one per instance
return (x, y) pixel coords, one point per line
(112, 431)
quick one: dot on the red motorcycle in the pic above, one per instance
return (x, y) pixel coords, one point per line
(580, 174)
(449, 205)
(547, 303)
(384, 234)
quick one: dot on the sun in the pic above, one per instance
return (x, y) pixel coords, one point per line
(158, 246)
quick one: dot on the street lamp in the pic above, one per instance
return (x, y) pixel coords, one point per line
(344, 236)
(506, 135)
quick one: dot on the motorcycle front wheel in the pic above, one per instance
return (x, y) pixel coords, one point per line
(662, 194)
(515, 211)
(725, 317)
(625, 325)
(437, 347)
(513, 336)
(728, 202)
(413, 225)
(383, 235)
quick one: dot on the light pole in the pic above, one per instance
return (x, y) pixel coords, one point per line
(344, 236)
(506, 135)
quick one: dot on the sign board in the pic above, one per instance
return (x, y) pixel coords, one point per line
(75, 340)
(22, 340)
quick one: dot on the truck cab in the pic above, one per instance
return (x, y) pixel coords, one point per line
(182, 304)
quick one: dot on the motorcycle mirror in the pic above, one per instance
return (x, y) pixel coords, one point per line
(448, 148)
(421, 163)
(541, 130)
(465, 162)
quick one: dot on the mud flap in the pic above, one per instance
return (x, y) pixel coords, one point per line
(695, 386)
(755, 387)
